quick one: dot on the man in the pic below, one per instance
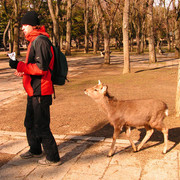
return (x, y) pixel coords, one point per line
(38, 85)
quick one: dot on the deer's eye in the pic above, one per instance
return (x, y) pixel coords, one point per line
(95, 89)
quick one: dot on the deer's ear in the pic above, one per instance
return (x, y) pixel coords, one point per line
(99, 82)
(104, 88)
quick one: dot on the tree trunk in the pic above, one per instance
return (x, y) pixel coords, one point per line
(177, 43)
(95, 40)
(106, 43)
(166, 11)
(167, 35)
(5, 34)
(55, 24)
(61, 42)
(11, 38)
(16, 39)
(68, 28)
(10, 41)
(142, 38)
(177, 31)
(105, 33)
(126, 68)
(158, 46)
(86, 17)
(178, 93)
(152, 53)
(17, 10)
(96, 21)
(142, 44)
(138, 39)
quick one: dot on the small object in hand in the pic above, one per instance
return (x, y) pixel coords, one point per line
(12, 56)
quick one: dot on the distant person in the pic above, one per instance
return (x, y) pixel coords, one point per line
(38, 85)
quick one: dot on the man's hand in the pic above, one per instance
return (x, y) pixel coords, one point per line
(13, 64)
(19, 74)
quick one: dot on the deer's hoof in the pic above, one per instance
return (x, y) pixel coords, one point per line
(164, 151)
(135, 149)
(110, 154)
(138, 149)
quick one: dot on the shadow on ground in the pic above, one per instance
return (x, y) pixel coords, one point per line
(173, 136)
(107, 132)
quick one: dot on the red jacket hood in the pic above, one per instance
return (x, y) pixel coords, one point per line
(36, 32)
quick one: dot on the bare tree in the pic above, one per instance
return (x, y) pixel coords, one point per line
(105, 32)
(86, 17)
(166, 16)
(68, 28)
(152, 52)
(138, 16)
(176, 8)
(126, 68)
(178, 93)
(96, 21)
(9, 30)
(143, 10)
(54, 16)
(142, 37)
(177, 54)
(10, 36)
(4, 35)
(107, 10)
(17, 13)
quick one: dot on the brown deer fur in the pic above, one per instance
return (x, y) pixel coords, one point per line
(131, 113)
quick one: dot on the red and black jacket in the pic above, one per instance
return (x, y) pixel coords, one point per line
(39, 61)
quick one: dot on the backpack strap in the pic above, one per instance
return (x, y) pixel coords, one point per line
(33, 43)
(43, 36)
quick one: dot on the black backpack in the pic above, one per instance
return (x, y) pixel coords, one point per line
(60, 69)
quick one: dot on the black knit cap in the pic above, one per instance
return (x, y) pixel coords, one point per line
(30, 18)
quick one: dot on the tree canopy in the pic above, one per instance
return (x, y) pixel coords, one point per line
(105, 23)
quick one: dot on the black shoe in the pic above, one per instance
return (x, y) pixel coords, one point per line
(28, 155)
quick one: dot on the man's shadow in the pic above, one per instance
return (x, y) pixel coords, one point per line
(100, 130)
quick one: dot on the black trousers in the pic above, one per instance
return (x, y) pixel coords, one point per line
(37, 123)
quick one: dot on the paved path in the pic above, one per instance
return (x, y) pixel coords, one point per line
(85, 158)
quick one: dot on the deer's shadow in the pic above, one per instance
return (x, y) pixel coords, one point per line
(157, 136)
(173, 135)
(107, 130)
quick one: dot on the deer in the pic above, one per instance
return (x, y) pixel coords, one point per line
(148, 113)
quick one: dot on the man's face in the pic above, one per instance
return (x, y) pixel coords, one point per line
(27, 29)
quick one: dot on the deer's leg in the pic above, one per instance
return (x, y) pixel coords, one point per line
(164, 130)
(115, 135)
(165, 133)
(128, 133)
(149, 132)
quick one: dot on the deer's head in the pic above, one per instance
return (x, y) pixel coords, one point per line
(96, 92)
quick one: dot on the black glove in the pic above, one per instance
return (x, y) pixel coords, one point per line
(13, 64)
